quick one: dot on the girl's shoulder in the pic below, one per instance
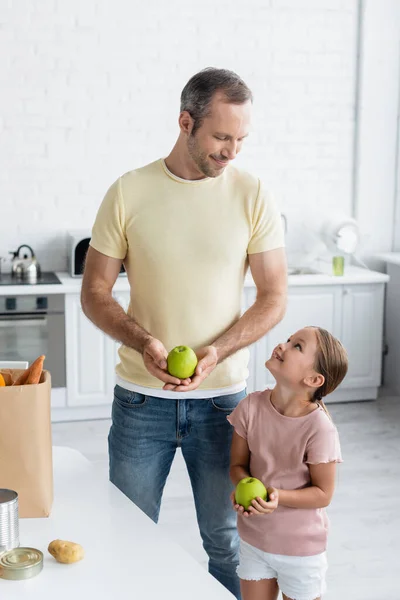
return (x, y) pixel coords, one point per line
(321, 422)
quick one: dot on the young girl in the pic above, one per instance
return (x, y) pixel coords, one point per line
(285, 438)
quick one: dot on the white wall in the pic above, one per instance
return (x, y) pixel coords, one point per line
(90, 89)
(377, 130)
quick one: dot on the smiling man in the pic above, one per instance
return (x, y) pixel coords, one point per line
(186, 229)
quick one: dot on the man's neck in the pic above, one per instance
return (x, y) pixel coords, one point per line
(181, 165)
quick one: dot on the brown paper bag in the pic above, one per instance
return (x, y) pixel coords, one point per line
(26, 464)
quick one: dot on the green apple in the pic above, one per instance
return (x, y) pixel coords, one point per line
(182, 362)
(249, 488)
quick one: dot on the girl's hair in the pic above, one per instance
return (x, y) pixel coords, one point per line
(331, 362)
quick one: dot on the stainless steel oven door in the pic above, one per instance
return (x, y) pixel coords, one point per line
(26, 334)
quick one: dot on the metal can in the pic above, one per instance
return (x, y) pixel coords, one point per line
(9, 525)
(21, 563)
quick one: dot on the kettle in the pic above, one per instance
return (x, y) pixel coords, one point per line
(25, 267)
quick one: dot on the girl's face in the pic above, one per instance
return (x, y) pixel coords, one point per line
(292, 362)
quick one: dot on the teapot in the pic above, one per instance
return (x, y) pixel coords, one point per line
(25, 267)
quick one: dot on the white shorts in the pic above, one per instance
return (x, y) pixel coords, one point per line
(299, 577)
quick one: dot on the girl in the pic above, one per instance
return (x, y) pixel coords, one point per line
(285, 438)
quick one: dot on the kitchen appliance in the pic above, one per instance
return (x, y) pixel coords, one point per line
(31, 325)
(25, 267)
(46, 278)
(77, 247)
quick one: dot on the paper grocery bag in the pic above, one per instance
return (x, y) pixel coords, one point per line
(26, 464)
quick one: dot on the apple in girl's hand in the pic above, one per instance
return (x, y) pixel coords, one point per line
(249, 488)
(182, 362)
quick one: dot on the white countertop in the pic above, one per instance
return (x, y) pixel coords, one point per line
(72, 285)
(392, 258)
(126, 554)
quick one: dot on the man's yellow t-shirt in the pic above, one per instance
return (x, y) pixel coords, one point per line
(185, 244)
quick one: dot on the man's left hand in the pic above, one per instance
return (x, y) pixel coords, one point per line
(207, 361)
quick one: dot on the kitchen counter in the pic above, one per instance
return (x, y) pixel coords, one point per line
(126, 554)
(72, 285)
(392, 258)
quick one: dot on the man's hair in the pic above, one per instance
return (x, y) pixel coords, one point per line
(197, 95)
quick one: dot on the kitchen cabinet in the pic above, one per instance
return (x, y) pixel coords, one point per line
(391, 366)
(90, 358)
(353, 313)
(350, 306)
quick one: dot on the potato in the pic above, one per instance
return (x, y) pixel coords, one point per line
(66, 552)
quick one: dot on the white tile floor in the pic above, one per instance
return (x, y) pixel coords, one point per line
(364, 546)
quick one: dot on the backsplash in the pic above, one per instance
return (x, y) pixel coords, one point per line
(91, 90)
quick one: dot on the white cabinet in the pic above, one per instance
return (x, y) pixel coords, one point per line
(362, 334)
(90, 357)
(353, 313)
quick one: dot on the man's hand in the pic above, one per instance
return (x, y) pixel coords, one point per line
(207, 361)
(259, 506)
(155, 361)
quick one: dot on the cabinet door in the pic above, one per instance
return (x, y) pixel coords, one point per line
(90, 357)
(320, 306)
(362, 333)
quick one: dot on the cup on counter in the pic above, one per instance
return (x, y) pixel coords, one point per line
(338, 265)
(9, 524)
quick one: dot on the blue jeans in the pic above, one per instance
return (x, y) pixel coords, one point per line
(143, 438)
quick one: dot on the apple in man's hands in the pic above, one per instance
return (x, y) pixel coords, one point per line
(155, 361)
(207, 361)
(182, 362)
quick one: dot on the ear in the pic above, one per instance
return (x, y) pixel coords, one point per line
(185, 122)
(315, 380)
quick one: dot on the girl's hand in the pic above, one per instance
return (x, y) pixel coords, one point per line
(238, 507)
(261, 507)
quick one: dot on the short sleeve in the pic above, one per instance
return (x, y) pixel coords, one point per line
(324, 446)
(108, 233)
(267, 229)
(239, 417)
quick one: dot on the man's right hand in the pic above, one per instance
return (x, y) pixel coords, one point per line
(155, 361)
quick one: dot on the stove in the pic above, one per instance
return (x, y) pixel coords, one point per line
(48, 278)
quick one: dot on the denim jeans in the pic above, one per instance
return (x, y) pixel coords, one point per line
(143, 438)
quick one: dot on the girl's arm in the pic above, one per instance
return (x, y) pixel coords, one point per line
(318, 494)
(240, 459)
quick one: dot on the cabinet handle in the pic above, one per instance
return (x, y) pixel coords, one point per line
(346, 292)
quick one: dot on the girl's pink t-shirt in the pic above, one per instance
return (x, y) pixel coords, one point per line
(280, 450)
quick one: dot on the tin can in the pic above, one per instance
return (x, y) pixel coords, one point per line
(9, 525)
(21, 563)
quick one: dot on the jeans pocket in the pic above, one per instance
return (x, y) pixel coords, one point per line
(229, 402)
(127, 398)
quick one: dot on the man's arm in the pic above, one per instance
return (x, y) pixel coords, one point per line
(105, 312)
(269, 271)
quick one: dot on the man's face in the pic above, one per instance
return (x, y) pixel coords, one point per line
(219, 138)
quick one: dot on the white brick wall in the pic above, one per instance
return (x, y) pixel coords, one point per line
(91, 89)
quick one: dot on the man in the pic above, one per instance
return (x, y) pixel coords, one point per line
(186, 228)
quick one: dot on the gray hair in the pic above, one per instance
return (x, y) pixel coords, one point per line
(199, 91)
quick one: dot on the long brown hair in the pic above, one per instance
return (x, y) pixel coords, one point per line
(331, 362)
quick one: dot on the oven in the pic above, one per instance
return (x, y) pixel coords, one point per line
(31, 325)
